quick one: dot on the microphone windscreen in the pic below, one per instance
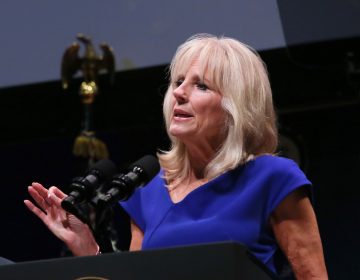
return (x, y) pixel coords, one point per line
(105, 167)
(149, 164)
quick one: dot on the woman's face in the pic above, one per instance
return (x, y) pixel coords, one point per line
(197, 113)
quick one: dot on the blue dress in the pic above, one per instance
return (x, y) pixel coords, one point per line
(234, 206)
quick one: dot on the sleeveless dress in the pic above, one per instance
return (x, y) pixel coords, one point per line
(235, 206)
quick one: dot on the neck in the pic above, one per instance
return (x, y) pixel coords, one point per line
(199, 159)
(185, 185)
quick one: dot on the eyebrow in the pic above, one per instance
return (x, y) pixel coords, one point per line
(195, 77)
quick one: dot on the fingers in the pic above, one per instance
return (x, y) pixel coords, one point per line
(47, 200)
(43, 192)
(49, 207)
(58, 192)
(35, 210)
(55, 196)
(39, 197)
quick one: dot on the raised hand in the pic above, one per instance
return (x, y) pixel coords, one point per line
(76, 235)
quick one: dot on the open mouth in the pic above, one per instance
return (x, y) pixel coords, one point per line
(180, 114)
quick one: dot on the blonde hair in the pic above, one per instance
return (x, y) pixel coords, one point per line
(239, 74)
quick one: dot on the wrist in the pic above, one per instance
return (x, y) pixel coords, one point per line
(84, 244)
(85, 249)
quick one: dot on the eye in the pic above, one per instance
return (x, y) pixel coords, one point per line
(178, 82)
(202, 86)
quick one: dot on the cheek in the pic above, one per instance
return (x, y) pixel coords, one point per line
(218, 120)
(214, 109)
(214, 116)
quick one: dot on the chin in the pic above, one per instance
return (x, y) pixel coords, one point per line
(181, 135)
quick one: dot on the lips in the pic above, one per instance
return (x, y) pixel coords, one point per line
(178, 113)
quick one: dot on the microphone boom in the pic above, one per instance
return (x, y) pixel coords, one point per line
(83, 188)
(122, 186)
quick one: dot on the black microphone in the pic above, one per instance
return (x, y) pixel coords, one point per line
(83, 188)
(122, 186)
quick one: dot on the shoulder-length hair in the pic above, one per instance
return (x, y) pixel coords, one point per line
(239, 74)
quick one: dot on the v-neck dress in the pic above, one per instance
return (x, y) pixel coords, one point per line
(234, 206)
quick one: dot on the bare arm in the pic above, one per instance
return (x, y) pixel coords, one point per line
(295, 228)
(137, 237)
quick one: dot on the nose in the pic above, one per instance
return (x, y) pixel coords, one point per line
(180, 93)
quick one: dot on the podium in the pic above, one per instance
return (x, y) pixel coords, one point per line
(223, 261)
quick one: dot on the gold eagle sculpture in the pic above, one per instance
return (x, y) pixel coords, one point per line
(90, 64)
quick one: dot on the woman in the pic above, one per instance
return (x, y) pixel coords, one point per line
(220, 180)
